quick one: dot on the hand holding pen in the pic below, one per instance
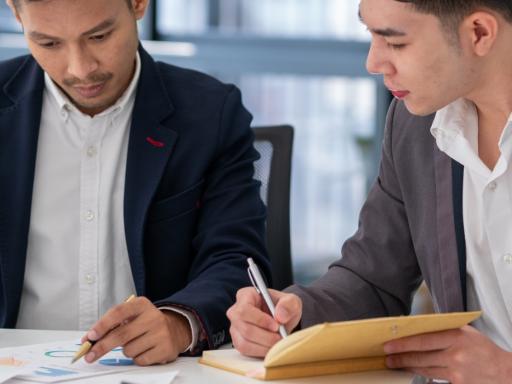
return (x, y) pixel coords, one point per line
(254, 330)
(259, 284)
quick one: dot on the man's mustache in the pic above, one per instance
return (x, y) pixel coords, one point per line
(93, 78)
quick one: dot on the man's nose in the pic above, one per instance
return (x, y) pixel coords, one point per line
(377, 61)
(81, 63)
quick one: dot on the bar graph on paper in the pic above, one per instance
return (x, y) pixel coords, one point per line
(51, 363)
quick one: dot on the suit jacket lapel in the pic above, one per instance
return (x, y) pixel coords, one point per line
(19, 128)
(457, 183)
(150, 145)
(447, 235)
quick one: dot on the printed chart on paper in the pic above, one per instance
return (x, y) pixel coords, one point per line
(51, 362)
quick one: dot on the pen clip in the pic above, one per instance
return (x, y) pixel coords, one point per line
(253, 281)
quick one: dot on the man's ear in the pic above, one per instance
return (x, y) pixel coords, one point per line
(480, 31)
(10, 4)
(139, 8)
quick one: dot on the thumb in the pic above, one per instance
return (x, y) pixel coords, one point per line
(289, 310)
(282, 314)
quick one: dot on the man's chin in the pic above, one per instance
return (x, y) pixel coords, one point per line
(419, 109)
(91, 108)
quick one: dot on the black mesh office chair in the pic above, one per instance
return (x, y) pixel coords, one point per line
(274, 143)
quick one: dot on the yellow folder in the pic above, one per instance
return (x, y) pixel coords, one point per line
(332, 348)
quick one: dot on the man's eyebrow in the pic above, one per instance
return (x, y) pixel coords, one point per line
(34, 35)
(387, 32)
(100, 27)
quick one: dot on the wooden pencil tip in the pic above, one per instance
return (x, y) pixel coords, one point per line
(84, 348)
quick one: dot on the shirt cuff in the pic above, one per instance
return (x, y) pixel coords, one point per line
(192, 321)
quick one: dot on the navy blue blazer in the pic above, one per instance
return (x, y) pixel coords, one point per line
(192, 210)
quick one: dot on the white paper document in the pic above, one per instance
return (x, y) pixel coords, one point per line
(10, 368)
(148, 378)
(51, 363)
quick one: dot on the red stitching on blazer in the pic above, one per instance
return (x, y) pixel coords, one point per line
(155, 143)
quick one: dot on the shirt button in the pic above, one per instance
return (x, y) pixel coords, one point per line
(89, 215)
(507, 258)
(89, 279)
(493, 186)
(91, 151)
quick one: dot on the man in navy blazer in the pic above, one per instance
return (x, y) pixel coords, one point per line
(189, 209)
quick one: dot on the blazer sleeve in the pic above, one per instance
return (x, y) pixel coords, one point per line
(378, 270)
(230, 228)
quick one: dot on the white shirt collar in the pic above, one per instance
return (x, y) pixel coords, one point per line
(457, 119)
(455, 128)
(65, 105)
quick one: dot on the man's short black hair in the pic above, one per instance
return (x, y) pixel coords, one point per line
(17, 3)
(451, 12)
(454, 11)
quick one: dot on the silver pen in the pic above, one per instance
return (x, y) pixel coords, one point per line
(260, 286)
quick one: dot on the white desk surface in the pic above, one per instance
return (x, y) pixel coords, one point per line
(190, 371)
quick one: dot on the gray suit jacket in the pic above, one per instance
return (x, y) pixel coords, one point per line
(410, 229)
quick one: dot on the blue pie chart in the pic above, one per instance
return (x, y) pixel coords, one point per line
(117, 362)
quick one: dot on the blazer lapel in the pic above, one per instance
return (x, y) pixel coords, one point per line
(457, 183)
(448, 232)
(149, 148)
(19, 128)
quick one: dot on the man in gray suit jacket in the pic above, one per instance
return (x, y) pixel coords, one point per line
(440, 210)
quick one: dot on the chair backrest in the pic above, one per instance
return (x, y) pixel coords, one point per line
(273, 169)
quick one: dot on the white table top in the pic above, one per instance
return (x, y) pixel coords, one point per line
(190, 371)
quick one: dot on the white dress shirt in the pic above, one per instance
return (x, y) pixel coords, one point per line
(77, 259)
(487, 216)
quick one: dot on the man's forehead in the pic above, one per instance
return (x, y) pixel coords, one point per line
(64, 2)
(389, 17)
(78, 17)
(64, 5)
(385, 31)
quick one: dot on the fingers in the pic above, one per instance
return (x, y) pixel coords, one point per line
(435, 359)
(257, 335)
(252, 348)
(424, 354)
(163, 340)
(146, 334)
(138, 346)
(250, 307)
(460, 356)
(253, 330)
(116, 316)
(247, 309)
(150, 357)
(425, 342)
(288, 310)
(149, 350)
(119, 336)
(428, 364)
(249, 296)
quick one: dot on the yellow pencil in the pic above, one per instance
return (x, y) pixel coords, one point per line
(87, 345)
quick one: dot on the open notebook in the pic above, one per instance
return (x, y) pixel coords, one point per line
(330, 348)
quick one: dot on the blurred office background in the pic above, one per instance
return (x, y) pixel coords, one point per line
(299, 62)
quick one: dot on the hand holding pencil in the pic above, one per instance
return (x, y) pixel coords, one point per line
(146, 334)
(87, 344)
